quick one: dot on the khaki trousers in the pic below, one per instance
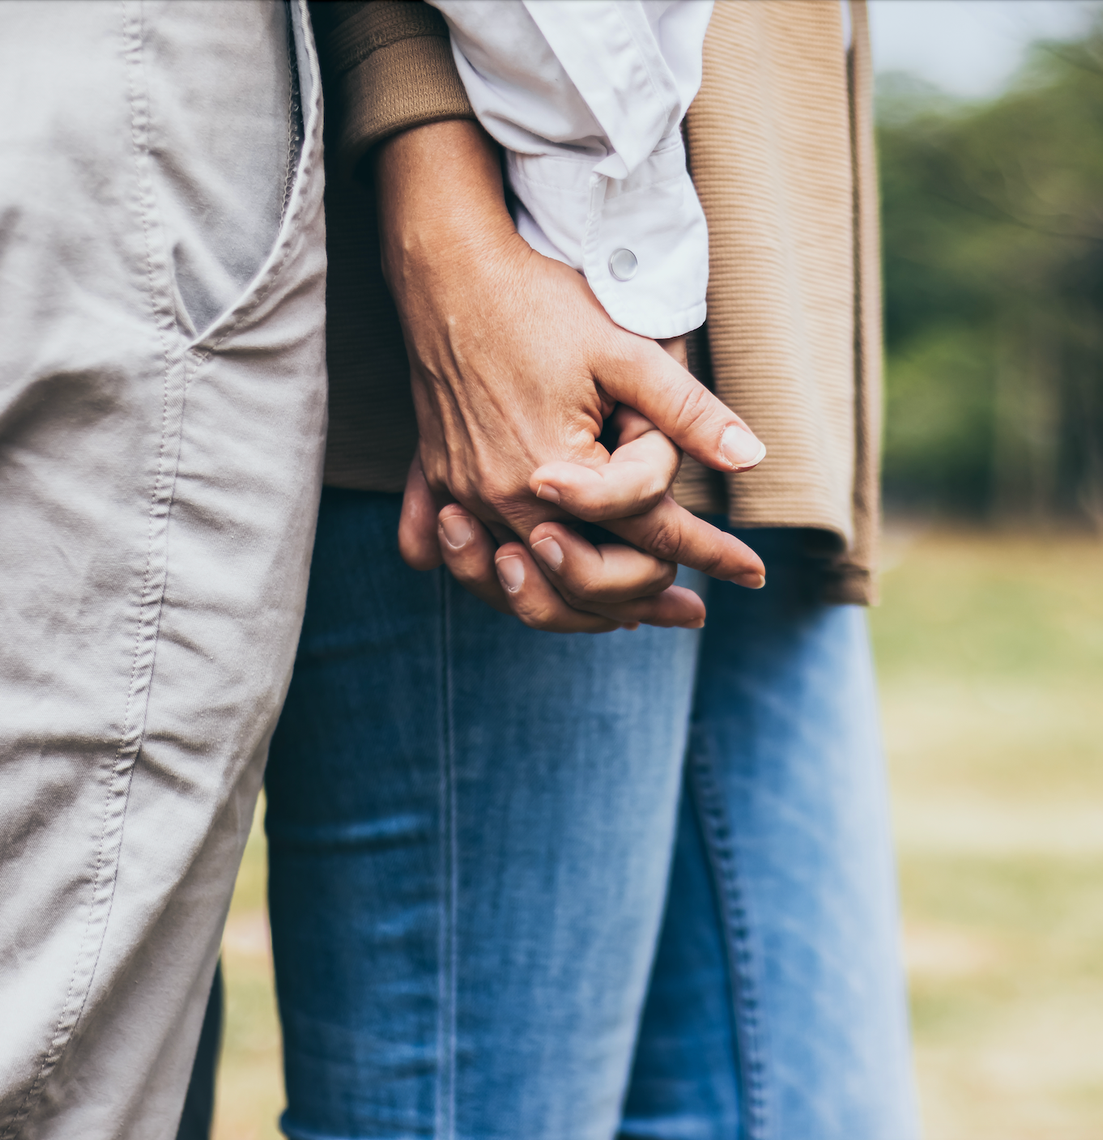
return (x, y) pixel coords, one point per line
(162, 417)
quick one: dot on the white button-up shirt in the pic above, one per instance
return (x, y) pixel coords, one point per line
(587, 98)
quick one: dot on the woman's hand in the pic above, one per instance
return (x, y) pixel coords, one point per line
(515, 369)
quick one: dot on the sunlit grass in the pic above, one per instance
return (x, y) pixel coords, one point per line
(991, 657)
(250, 1088)
(991, 661)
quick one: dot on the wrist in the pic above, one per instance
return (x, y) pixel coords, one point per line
(441, 201)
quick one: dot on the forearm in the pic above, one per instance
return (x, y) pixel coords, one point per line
(441, 203)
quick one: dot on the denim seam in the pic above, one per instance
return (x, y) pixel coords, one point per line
(150, 592)
(716, 830)
(444, 1128)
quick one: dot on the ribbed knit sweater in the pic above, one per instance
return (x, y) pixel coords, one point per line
(780, 143)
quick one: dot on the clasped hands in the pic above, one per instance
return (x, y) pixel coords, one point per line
(520, 379)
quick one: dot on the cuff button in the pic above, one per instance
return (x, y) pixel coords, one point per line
(623, 264)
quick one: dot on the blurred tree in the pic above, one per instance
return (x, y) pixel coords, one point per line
(993, 235)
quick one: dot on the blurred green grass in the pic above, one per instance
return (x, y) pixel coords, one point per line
(990, 653)
(250, 1082)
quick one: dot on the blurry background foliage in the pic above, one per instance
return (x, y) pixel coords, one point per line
(993, 238)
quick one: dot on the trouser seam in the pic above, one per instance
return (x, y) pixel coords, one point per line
(716, 830)
(294, 117)
(149, 600)
(302, 168)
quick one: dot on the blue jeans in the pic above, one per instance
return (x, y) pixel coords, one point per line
(472, 828)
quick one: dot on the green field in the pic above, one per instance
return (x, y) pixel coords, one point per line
(991, 660)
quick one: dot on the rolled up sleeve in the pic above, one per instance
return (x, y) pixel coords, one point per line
(390, 68)
(588, 99)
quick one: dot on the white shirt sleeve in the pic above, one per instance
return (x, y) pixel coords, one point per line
(587, 98)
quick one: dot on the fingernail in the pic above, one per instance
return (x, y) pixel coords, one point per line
(457, 531)
(698, 624)
(551, 553)
(740, 448)
(511, 571)
(751, 581)
(548, 493)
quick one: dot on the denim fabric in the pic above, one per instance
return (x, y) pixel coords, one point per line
(777, 1000)
(469, 825)
(471, 831)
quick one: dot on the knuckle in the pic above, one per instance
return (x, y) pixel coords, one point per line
(584, 584)
(462, 569)
(694, 406)
(664, 540)
(500, 496)
(536, 615)
(458, 484)
(496, 491)
(650, 498)
(716, 560)
(570, 594)
(437, 475)
(715, 565)
(600, 510)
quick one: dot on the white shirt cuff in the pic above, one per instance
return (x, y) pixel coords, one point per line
(641, 241)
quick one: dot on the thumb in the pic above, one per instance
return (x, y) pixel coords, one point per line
(681, 407)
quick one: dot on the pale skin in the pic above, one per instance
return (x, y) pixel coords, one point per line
(516, 370)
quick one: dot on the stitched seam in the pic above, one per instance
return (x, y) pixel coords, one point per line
(444, 1128)
(126, 753)
(709, 803)
(630, 310)
(288, 225)
(453, 864)
(294, 111)
(442, 944)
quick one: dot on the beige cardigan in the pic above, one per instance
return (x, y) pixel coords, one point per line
(780, 144)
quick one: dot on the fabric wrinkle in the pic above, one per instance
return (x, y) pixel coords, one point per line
(149, 594)
(708, 801)
(136, 737)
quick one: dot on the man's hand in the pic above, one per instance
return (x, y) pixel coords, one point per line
(515, 370)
